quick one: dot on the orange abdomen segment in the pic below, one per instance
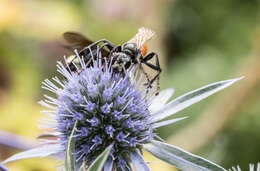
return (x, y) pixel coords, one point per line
(144, 50)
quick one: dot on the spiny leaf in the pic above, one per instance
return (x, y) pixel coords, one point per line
(190, 98)
(42, 151)
(70, 160)
(180, 158)
(98, 164)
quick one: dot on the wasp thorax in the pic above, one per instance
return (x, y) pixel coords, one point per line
(130, 48)
(122, 58)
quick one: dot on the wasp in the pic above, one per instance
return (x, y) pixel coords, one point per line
(131, 53)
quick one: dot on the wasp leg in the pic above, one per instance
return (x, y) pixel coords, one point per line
(108, 54)
(111, 58)
(111, 48)
(155, 67)
(105, 45)
(114, 49)
(117, 48)
(109, 45)
(85, 53)
(94, 50)
(148, 84)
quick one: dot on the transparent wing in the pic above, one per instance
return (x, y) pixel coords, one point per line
(143, 35)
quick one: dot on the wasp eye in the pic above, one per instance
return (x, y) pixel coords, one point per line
(144, 50)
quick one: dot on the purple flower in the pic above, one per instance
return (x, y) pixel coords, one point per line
(78, 116)
(84, 131)
(104, 120)
(94, 121)
(90, 106)
(107, 94)
(106, 108)
(121, 137)
(110, 130)
(117, 115)
(97, 140)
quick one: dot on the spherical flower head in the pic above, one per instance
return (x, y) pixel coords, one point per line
(109, 109)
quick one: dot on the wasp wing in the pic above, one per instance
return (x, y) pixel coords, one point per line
(143, 35)
(76, 41)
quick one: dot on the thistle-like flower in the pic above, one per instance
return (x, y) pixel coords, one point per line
(109, 110)
(101, 109)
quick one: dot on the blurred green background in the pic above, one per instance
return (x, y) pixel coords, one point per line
(199, 42)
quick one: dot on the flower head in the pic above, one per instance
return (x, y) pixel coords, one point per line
(109, 109)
